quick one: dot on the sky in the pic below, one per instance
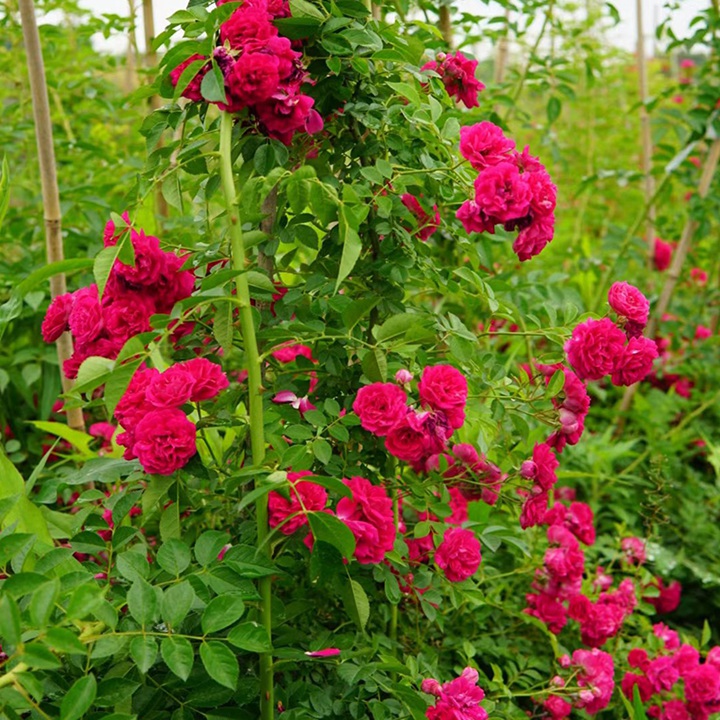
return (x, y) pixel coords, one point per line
(622, 35)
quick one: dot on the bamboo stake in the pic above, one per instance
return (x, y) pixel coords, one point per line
(645, 132)
(679, 256)
(502, 51)
(48, 176)
(150, 63)
(446, 25)
(131, 80)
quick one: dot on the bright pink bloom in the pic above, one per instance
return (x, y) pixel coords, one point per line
(669, 637)
(502, 192)
(380, 407)
(458, 699)
(702, 332)
(403, 377)
(254, 78)
(542, 467)
(548, 609)
(686, 659)
(369, 515)
(56, 317)
(286, 113)
(327, 652)
(702, 685)
(669, 597)
(700, 277)
(634, 549)
(170, 389)
(150, 262)
(533, 510)
(594, 348)
(635, 361)
(85, 319)
(662, 254)
(305, 497)
(207, 379)
(484, 144)
(192, 91)
(557, 707)
(597, 671)
(627, 301)
(427, 224)
(164, 441)
(458, 76)
(638, 658)
(532, 239)
(442, 387)
(289, 352)
(133, 405)
(458, 554)
(628, 683)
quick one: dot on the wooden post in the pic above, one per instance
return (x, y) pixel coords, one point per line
(446, 25)
(150, 63)
(645, 132)
(131, 80)
(502, 52)
(48, 177)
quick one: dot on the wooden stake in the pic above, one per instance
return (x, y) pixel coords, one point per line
(645, 132)
(150, 63)
(48, 176)
(502, 52)
(679, 256)
(446, 25)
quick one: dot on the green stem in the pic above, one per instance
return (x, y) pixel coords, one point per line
(255, 401)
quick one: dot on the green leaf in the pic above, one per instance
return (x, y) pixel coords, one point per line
(374, 365)
(356, 603)
(178, 655)
(79, 698)
(143, 650)
(250, 636)
(221, 612)
(142, 602)
(212, 87)
(209, 545)
(172, 192)
(64, 641)
(354, 312)
(706, 634)
(10, 629)
(554, 107)
(43, 602)
(352, 245)
(79, 440)
(174, 556)
(4, 188)
(176, 603)
(407, 91)
(305, 9)
(556, 384)
(322, 450)
(220, 663)
(329, 529)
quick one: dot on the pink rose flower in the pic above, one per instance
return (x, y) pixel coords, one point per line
(630, 681)
(380, 407)
(662, 254)
(149, 262)
(305, 496)
(133, 405)
(484, 144)
(635, 361)
(542, 467)
(458, 76)
(369, 515)
(442, 387)
(85, 319)
(192, 91)
(408, 441)
(627, 301)
(532, 239)
(597, 674)
(128, 315)
(206, 377)
(427, 224)
(594, 348)
(57, 317)
(458, 699)
(458, 554)
(702, 685)
(662, 673)
(164, 441)
(533, 510)
(634, 549)
(170, 389)
(502, 192)
(254, 78)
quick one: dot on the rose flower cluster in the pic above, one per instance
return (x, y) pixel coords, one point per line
(261, 72)
(156, 430)
(133, 294)
(458, 699)
(601, 347)
(458, 75)
(368, 513)
(512, 189)
(679, 685)
(557, 586)
(415, 435)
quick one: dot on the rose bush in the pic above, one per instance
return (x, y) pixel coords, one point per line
(353, 458)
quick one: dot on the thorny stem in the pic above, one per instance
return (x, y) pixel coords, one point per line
(255, 401)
